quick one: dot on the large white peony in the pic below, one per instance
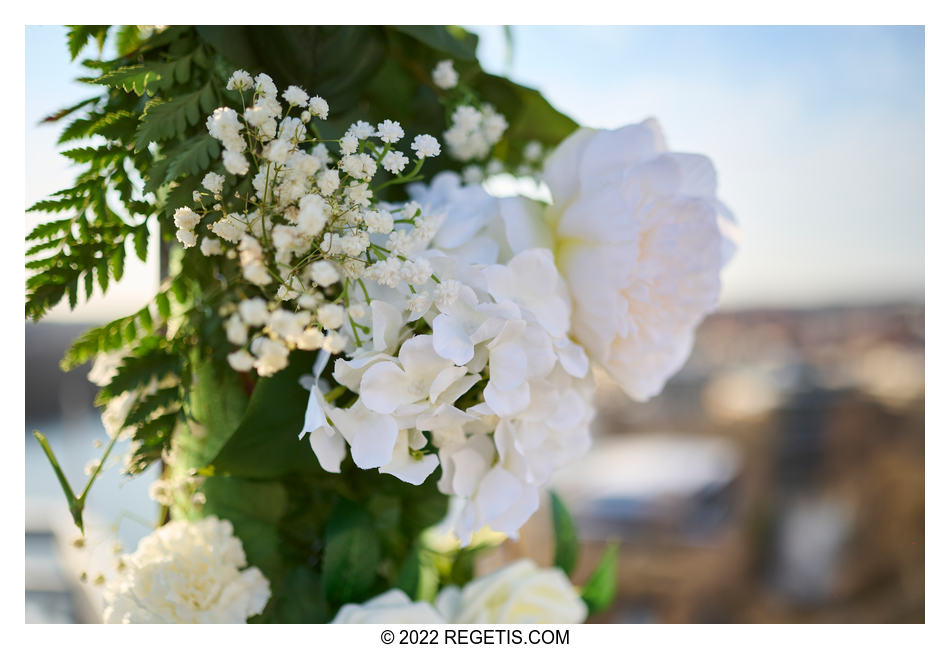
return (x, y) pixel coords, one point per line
(392, 607)
(187, 573)
(519, 593)
(640, 238)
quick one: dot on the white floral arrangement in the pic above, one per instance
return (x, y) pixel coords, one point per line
(453, 338)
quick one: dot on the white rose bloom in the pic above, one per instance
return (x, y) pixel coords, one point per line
(187, 573)
(519, 593)
(392, 607)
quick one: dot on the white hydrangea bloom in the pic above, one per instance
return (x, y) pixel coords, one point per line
(187, 573)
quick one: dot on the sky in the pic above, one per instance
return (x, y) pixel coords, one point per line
(817, 134)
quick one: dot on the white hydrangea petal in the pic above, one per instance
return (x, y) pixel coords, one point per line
(385, 387)
(407, 468)
(507, 403)
(371, 435)
(496, 492)
(572, 358)
(508, 366)
(387, 321)
(518, 513)
(450, 339)
(420, 359)
(444, 379)
(329, 448)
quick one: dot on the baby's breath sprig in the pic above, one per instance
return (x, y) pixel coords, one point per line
(311, 226)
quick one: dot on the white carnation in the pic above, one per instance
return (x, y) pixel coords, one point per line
(186, 573)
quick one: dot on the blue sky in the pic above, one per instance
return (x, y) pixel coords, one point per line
(817, 133)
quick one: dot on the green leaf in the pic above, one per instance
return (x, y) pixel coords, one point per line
(254, 509)
(161, 302)
(265, 444)
(133, 78)
(351, 555)
(165, 119)
(565, 536)
(157, 403)
(192, 157)
(140, 369)
(218, 402)
(140, 240)
(601, 588)
(299, 599)
(410, 575)
(78, 36)
(439, 38)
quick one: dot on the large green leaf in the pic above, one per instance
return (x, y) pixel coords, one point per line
(218, 402)
(254, 509)
(298, 599)
(265, 444)
(440, 38)
(351, 555)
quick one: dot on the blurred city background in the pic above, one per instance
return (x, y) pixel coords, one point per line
(780, 475)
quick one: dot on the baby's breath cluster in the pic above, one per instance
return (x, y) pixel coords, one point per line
(474, 132)
(308, 231)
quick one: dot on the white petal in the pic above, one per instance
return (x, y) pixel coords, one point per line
(407, 468)
(314, 417)
(507, 403)
(450, 339)
(385, 387)
(561, 168)
(329, 447)
(420, 360)
(444, 379)
(387, 320)
(497, 490)
(572, 358)
(507, 366)
(524, 224)
(371, 436)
